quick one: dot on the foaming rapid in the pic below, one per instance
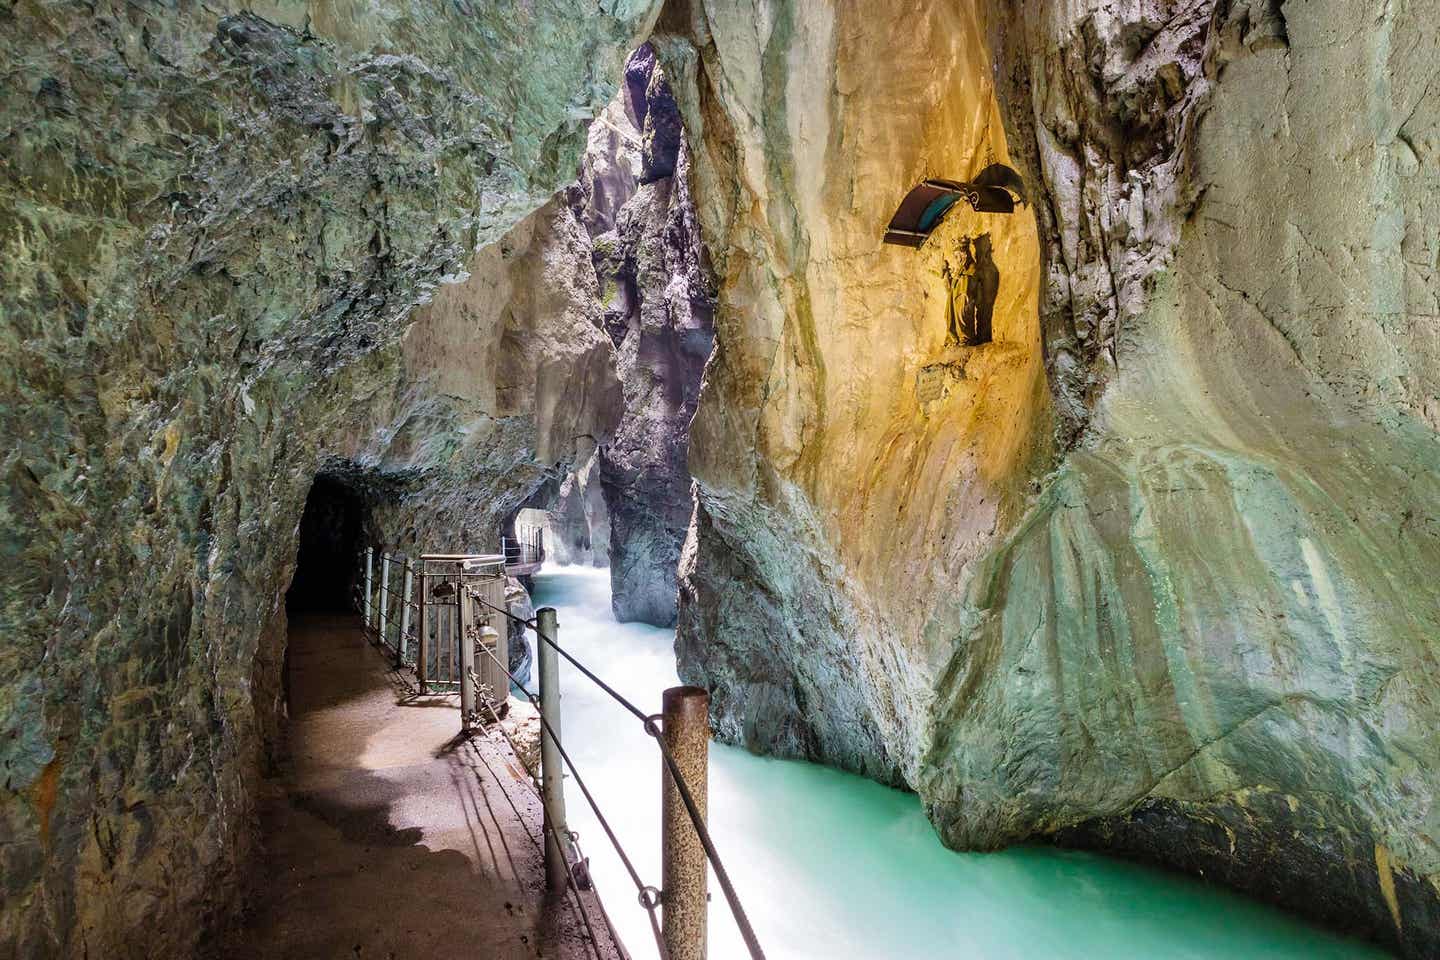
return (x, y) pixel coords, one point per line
(830, 866)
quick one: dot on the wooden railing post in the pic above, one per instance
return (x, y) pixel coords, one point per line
(551, 773)
(405, 600)
(686, 729)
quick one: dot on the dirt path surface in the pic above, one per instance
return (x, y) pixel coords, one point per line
(388, 837)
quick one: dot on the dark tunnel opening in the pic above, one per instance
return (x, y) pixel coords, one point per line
(331, 531)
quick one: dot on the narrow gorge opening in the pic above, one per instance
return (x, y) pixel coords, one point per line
(624, 500)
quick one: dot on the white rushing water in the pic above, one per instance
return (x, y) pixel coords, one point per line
(829, 865)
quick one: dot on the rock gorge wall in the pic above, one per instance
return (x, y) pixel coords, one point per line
(216, 224)
(571, 512)
(851, 462)
(1237, 548)
(507, 384)
(655, 303)
(1148, 572)
(659, 312)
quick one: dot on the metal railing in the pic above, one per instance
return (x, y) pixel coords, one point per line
(440, 595)
(461, 597)
(524, 550)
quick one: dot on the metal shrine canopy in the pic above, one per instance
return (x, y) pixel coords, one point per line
(996, 189)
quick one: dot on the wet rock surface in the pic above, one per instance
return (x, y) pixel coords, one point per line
(663, 329)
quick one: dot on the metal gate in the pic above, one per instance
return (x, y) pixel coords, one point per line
(461, 599)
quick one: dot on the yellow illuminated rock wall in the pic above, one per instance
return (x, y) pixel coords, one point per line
(842, 448)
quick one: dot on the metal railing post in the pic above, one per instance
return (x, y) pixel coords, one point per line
(382, 622)
(495, 682)
(467, 654)
(369, 580)
(405, 599)
(686, 729)
(422, 652)
(551, 774)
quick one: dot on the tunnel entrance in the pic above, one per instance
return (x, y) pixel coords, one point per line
(331, 530)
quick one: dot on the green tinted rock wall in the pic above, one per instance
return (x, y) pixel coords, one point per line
(215, 225)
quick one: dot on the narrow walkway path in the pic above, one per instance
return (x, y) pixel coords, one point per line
(388, 838)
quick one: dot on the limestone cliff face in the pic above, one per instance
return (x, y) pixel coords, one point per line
(1236, 552)
(216, 224)
(572, 513)
(561, 370)
(507, 384)
(1150, 570)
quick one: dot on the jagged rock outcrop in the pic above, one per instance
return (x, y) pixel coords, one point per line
(216, 224)
(653, 297)
(1148, 572)
(851, 462)
(522, 655)
(659, 301)
(665, 338)
(508, 383)
(1266, 445)
(655, 302)
(610, 167)
(602, 305)
(654, 113)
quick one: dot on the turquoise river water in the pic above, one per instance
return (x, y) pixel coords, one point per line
(830, 865)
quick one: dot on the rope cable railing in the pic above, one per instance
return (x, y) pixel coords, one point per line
(649, 896)
(575, 881)
(648, 723)
(383, 623)
(611, 691)
(382, 612)
(578, 882)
